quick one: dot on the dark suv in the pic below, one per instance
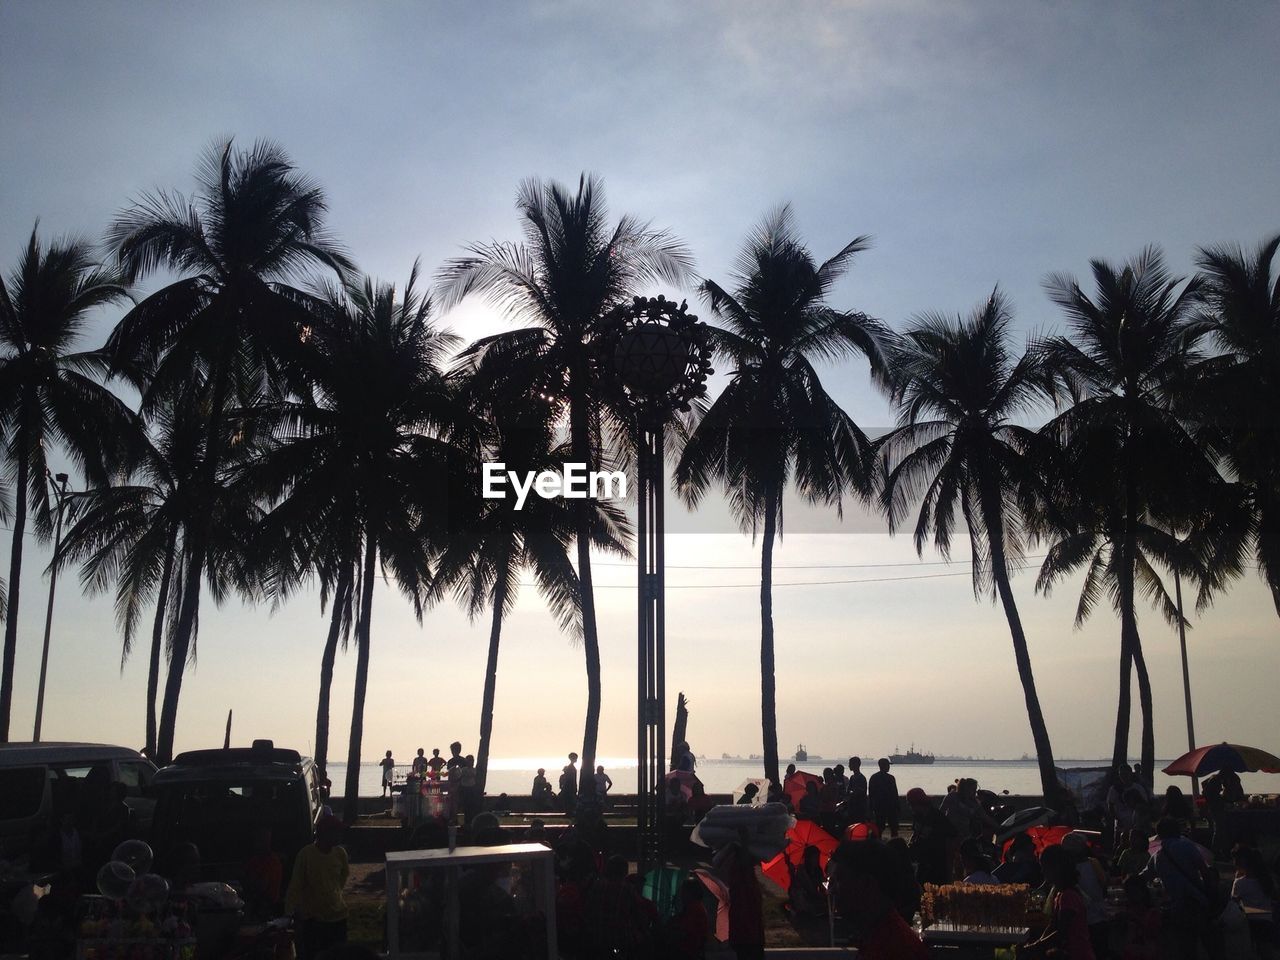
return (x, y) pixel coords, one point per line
(217, 799)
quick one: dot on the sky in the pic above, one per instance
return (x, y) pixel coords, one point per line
(978, 143)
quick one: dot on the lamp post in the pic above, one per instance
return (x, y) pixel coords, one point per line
(662, 357)
(59, 484)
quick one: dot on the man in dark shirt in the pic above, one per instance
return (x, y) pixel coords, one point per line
(569, 785)
(930, 833)
(882, 791)
(856, 791)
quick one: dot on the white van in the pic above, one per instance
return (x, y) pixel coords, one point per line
(37, 778)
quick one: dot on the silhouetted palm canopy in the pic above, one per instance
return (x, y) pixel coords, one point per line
(960, 450)
(233, 320)
(485, 558)
(572, 269)
(1240, 388)
(365, 462)
(51, 397)
(774, 424)
(1130, 466)
(131, 535)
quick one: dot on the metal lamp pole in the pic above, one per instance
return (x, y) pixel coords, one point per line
(1186, 676)
(60, 493)
(662, 359)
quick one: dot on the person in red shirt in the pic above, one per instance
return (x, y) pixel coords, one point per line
(864, 880)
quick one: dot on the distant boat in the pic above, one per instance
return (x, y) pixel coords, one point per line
(910, 756)
(755, 756)
(802, 755)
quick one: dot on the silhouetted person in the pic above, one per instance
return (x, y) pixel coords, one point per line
(569, 785)
(856, 792)
(931, 835)
(320, 872)
(882, 792)
(388, 773)
(435, 763)
(420, 763)
(543, 795)
(865, 886)
(263, 877)
(748, 794)
(1190, 885)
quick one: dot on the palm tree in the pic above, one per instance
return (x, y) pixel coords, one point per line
(233, 319)
(774, 424)
(1129, 465)
(132, 534)
(959, 393)
(1239, 385)
(50, 397)
(366, 456)
(571, 271)
(483, 562)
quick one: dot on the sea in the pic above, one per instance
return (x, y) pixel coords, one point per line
(514, 775)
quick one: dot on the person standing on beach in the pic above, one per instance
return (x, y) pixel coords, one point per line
(856, 791)
(882, 791)
(435, 763)
(569, 785)
(388, 772)
(420, 764)
(455, 760)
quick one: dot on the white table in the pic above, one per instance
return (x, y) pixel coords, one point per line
(399, 863)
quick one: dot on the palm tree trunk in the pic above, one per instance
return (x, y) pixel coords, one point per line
(1128, 635)
(15, 577)
(1144, 704)
(198, 547)
(157, 640)
(351, 796)
(994, 521)
(580, 442)
(491, 678)
(341, 601)
(178, 654)
(768, 686)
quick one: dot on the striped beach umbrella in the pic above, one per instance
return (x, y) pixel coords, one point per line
(1224, 756)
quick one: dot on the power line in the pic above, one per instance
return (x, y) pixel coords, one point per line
(805, 566)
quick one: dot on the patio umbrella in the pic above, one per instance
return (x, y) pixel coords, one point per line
(762, 788)
(1223, 756)
(720, 894)
(1020, 821)
(804, 834)
(1042, 837)
(796, 785)
(686, 780)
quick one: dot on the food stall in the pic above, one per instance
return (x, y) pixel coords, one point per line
(451, 904)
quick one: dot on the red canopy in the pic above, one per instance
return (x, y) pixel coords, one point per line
(804, 834)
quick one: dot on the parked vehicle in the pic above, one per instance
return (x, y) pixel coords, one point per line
(218, 799)
(40, 781)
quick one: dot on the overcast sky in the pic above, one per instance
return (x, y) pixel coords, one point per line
(978, 143)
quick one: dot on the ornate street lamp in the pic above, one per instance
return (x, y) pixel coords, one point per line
(662, 357)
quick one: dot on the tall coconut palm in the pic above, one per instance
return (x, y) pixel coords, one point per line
(1129, 459)
(233, 318)
(960, 393)
(51, 397)
(484, 561)
(366, 453)
(1240, 384)
(774, 424)
(572, 269)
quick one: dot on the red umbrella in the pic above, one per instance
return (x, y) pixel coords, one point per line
(1224, 756)
(804, 834)
(1042, 837)
(796, 785)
